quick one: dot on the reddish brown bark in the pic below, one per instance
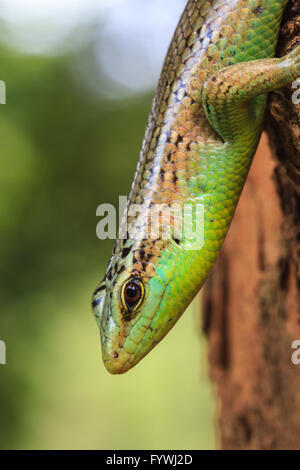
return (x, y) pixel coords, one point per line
(251, 301)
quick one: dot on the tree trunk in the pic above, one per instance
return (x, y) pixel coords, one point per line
(251, 301)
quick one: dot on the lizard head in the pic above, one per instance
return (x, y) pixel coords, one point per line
(137, 302)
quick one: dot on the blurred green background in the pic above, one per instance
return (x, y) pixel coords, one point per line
(70, 136)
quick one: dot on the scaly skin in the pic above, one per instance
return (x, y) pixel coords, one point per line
(203, 131)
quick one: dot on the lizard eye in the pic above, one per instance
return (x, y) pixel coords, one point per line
(132, 294)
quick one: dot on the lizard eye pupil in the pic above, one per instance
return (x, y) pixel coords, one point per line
(133, 293)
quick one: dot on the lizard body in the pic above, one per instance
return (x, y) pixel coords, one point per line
(203, 130)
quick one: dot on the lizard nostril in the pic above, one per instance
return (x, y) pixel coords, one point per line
(114, 354)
